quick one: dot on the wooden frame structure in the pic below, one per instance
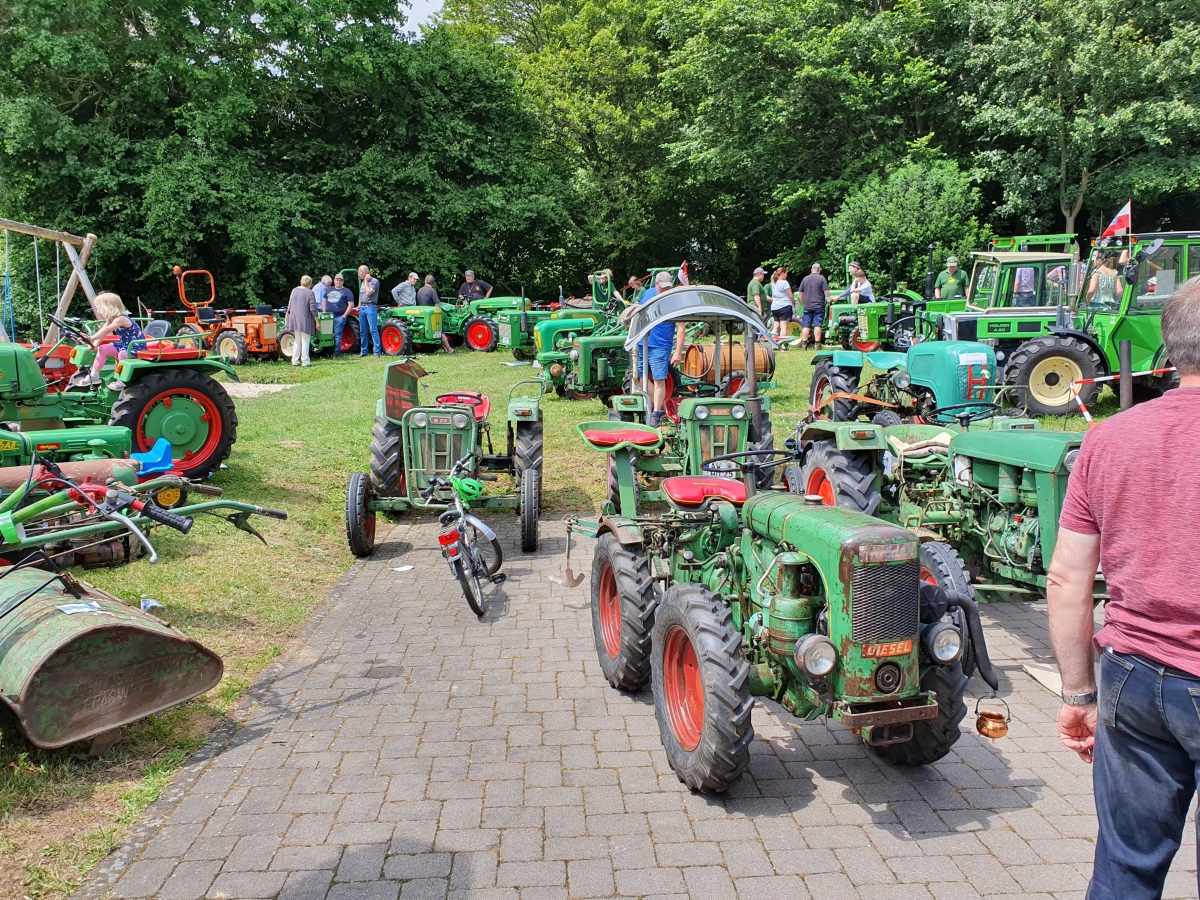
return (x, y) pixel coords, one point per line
(79, 259)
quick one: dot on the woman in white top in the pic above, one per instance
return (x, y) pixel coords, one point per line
(782, 304)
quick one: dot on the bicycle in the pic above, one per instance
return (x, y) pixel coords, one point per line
(468, 544)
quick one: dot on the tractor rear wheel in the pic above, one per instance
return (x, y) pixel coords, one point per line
(522, 355)
(350, 336)
(387, 441)
(231, 345)
(360, 521)
(481, 334)
(287, 344)
(887, 418)
(941, 565)
(828, 380)
(623, 603)
(396, 338)
(189, 409)
(1046, 366)
(933, 738)
(528, 467)
(838, 477)
(701, 686)
(188, 330)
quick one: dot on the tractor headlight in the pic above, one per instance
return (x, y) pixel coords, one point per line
(459, 420)
(574, 356)
(738, 412)
(700, 412)
(943, 642)
(816, 655)
(420, 420)
(901, 379)
(1069, 459)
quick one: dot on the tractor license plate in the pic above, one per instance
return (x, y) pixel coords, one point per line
(862, 323)
(505, 333)
(723, 468)
(879, 651)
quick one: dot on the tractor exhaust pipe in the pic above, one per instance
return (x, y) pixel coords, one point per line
(975, 628)
(524, 313)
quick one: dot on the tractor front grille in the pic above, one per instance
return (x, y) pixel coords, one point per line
(717, 439)
(437, 451)
(885, 602)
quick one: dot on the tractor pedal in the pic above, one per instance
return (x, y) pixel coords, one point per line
(499, 579)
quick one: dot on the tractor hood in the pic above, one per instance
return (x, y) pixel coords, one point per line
(821, 532)
(1042, 451)
(690, 303)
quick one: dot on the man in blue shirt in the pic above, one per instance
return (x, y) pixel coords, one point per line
(338, 300)
(666, 349)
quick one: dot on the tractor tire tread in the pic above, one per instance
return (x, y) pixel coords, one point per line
(852, 476)
(630, 670)
(841, 381)
(1021, 361)
(933, 738)
(386, 444)
(764, 478)
(359, 534)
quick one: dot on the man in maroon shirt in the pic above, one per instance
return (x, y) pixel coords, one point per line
(1132, 507)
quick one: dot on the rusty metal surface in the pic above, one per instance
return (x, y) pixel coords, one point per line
(72, 668)
(97, 471)
(878, 717)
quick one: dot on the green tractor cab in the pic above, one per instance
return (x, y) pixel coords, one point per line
(411, 443)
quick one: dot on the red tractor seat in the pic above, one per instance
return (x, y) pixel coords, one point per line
(639, 437)
(694, 491)
(480, 405)
(163, 354)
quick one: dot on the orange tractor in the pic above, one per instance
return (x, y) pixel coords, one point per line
(234, 337)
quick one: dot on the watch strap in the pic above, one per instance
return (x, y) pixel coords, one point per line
(1084, 699)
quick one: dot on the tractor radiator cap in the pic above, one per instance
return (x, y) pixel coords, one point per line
(814, 500)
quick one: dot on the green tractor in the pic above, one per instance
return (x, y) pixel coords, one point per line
(1019, 303)
(165, 389)
(404, 330)
(555, 337)
(820, 609)
(519, 327)
(984, 503)
(474, 322)
(412, 444)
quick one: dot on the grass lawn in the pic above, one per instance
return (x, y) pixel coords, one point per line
(295, 450)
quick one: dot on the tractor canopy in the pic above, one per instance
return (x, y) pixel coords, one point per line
(691, 303)
(1041, 451)
(401, 382)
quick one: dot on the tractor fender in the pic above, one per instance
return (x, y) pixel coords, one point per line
(627, 532)
(885, 361)
(843, 359)
(133, 369)
(843, 434)
(480, 525)
(1085, 338)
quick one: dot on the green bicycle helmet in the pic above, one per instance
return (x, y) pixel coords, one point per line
(467, 488)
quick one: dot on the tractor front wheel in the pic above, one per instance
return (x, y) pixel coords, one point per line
(623, 602)
(387, 479)
(396, 339)
(828, 380)
(764, 478)
(1047, 366)
(838, 477)
(522, 355)
(481, 334)
(189, 409)
(701, 686)
(528, 467)
(360, 520)
(933, 738)
(231, 345)
(941, 565)
(287, 344)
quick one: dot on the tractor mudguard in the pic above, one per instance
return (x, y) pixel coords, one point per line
(131, 369)
(844, 434)
(626, 531)
(883, 360)
(629, 403)
(1090, 341)
(845, 359)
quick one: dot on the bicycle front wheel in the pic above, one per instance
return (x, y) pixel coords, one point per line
(471, 589)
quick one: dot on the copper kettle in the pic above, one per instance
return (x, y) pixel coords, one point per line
(991, 723)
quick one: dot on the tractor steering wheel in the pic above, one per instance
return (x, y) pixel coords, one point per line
(975, 411)
(466, 398)
(71, 330)
(774, 458)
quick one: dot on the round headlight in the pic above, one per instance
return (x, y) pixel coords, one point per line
(700, 412)
(574, 355)
(901, 379)
(738, 412)
(943, 642)
(1069, 459)
(816, 655)
(459, 420)
(420, 420)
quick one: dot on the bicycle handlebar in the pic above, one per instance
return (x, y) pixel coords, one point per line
(440, 481)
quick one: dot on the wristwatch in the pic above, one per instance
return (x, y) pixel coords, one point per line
(1079, 699)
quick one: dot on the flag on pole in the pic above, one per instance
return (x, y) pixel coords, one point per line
(683, 275)
(1120, 224)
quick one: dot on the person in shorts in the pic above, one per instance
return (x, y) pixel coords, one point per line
(666, 349)
(783, 304)
(814, 294)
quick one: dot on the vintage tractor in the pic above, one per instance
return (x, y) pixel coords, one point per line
(932, 381)
(161, 391)
(716, 412)
(554, 338)
(404, 330)
(984, 502)
(235, 337)
(474, 322)
(518, 326)
(766, 594)
(411, 443)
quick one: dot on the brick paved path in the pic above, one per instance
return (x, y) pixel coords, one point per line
(410, 751)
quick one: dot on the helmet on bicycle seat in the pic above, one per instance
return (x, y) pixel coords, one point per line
(467, 488)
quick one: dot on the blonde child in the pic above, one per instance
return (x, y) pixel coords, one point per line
(116, 322)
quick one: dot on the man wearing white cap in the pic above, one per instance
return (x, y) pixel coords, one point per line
(756, 291)
(951, 283)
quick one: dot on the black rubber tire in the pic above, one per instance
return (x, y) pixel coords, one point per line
(488, 552)
(360, 521)
(531, 498)
(529, 446)
(522, 355)
(472, 589)
(136, 397)
(406, 338)
(232, 346)
(1022, 361)
(886, 418)
(940, 562)
(493, 339)
(352, 326)
(851, 474)
(723, 751)
(840, 381)
(933, 738)
(287, 344)
(387, 441)
(188, 329)
(629, 669)
(763, 478)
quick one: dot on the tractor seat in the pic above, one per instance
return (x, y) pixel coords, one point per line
(205, 313)
(694, 492)
(468, 398)
(166, 353)
(639, 437)
(264, 309)
(159, 328)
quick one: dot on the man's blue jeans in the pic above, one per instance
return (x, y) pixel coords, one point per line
(368, 320)
(339, 326)
(1144, 772)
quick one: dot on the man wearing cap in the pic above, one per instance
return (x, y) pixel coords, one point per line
(472, 289)
(756, 292)
(860, 290)
(368, 311)
(951, 283)
(814, 293)
(405, 293)
(338, 300)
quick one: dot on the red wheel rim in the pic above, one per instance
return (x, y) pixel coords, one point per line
(479, 336)
(369, 527)
(866, 346)
(819, 484)
(610, 612)
(735, 386)
(928, 576)
(670, 384)
(392, 340)
(821, 385)
(683, 688)
(347, 339)
(211, 415)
